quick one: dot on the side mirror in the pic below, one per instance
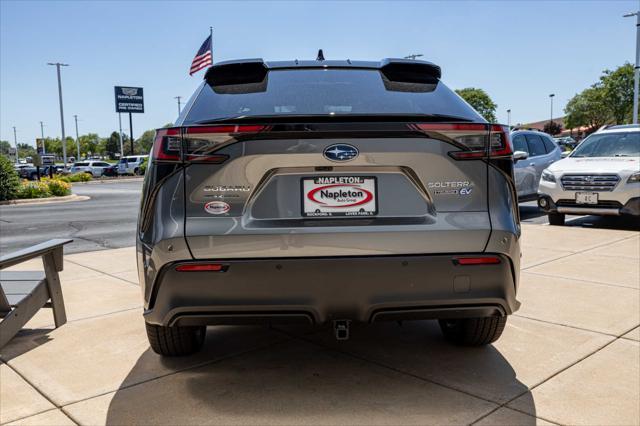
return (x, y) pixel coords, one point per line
(520, 155)
(565, 154)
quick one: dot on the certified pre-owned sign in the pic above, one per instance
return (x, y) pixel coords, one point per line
(129, 99)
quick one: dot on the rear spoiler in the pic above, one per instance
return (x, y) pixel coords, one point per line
(224, 75)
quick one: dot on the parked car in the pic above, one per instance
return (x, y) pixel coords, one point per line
(95, 168)
(31, 172)
(600, 177)
(567, 141)
(328, 192)
(111, 171)
(533, 152)
(130, 165)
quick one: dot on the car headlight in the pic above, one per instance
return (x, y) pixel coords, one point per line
(634, 178)
(548, 176)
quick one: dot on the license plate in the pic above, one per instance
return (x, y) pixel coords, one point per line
(330, 196)
(586, 198)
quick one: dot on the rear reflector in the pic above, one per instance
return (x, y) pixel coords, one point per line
(201, 267)
(475, 140)
(481, 260)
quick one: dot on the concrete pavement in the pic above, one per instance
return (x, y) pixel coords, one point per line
(571, 355)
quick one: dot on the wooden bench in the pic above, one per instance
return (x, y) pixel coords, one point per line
(23, 293)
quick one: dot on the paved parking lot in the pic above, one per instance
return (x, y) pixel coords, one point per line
(570, 355)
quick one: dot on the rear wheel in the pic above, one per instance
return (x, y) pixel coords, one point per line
(175, 341)
(473, 331)
(556, 219)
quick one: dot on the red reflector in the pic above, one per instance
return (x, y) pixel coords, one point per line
(484, 260)
(200, 267)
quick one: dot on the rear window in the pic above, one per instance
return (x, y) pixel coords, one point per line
(327, 92)
(548, 143)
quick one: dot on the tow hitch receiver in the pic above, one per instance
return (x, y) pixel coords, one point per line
(341, 328)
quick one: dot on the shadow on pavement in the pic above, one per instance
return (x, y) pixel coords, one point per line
(384, 374)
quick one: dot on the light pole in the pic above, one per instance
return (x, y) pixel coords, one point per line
(64, 141)
(178, 98)
(44, 149)
(636, 70)
(551, 119)
(15, 141)
(414, 56)
(77, 138)
(120, 135)
(509, 119)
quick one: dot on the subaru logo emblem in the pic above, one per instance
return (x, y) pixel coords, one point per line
(340, 152)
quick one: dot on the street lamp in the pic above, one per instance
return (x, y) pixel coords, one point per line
(414, 56)
(15, 141)
(64, 142)
(636, 70)
(509, 119)
(551, 120)
(178, 98)
(77, 138)
(44, 150)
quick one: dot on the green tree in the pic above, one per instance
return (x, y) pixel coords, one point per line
(480, 101)
(111, 145)
(26, 150)
(144, 142)
(9, 181)
(618, 92)
(587, 108)
(5, 146)
(89, 144)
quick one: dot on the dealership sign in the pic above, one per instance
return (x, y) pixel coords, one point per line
(129, 99)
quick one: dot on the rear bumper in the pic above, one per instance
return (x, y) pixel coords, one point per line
(317, 290)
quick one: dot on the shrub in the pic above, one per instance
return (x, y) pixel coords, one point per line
(9, 181)
(80, 177)
(33, 189)
(66, 179)
(57, 187)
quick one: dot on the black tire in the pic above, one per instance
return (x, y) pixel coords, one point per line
(473, 331)
(136, 172)
(556, 219)
(175, 341)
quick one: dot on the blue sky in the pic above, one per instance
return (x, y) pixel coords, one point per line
(517, 51)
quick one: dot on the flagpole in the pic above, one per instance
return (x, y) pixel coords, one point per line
(211, 43)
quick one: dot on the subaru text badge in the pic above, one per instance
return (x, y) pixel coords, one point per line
(340, 152)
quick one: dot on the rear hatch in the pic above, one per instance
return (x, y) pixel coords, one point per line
(337, 162)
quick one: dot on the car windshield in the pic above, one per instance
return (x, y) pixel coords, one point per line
(624, 144)
(81, 164)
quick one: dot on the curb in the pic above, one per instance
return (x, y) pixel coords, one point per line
(48, 200)
(117, 180)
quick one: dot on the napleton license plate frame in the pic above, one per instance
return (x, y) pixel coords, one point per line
(369, 184)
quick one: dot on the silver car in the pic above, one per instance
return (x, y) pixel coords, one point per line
(533, 152)
(327, 192)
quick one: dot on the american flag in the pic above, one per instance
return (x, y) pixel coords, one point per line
(203, 58)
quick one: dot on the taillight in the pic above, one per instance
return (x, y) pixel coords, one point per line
(475, 140)
(201, 267)
(166, 146)
(477, 260)
(201, 142)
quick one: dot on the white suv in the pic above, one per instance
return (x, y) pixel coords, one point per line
(95, 168)
(600, 177)
(130, 165)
